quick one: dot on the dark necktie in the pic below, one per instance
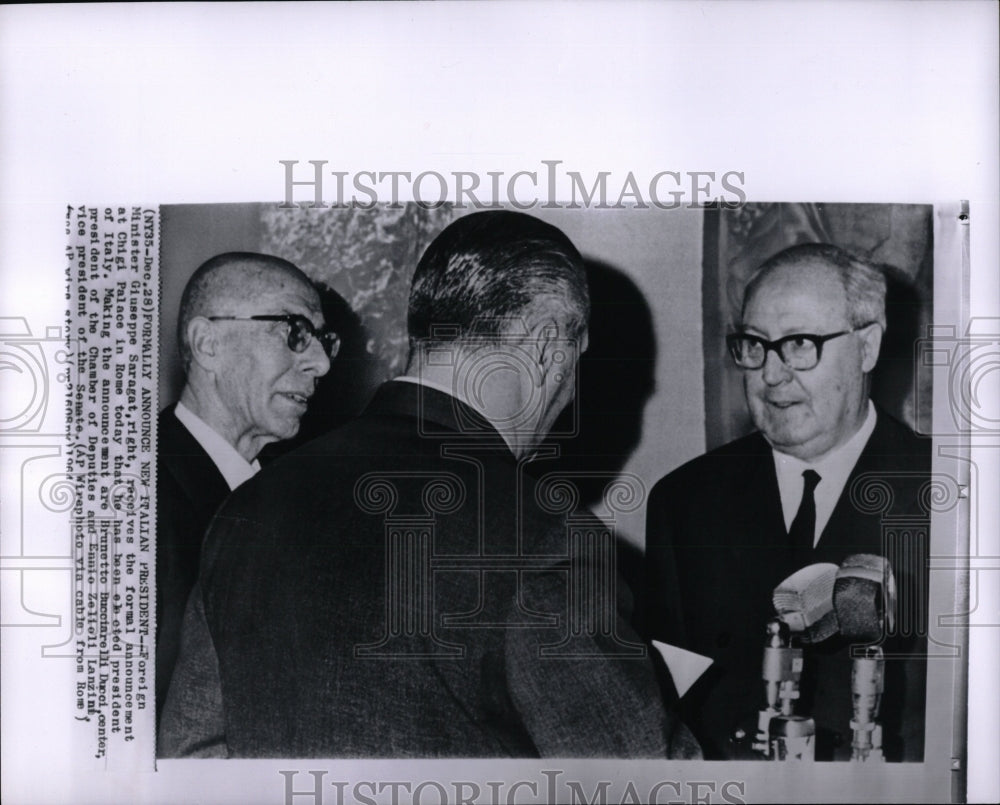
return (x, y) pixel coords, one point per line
(803, 531)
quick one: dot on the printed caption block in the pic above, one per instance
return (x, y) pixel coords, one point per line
(112, 291)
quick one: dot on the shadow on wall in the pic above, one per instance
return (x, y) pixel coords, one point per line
(615, 381)
(894, 378)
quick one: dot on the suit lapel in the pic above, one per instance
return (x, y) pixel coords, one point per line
(761, 498)
(187, 462)
(759, 553)
(849, 530)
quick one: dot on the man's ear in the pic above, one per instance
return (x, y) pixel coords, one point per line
(203, 341)
(548, 346)
(871, 343)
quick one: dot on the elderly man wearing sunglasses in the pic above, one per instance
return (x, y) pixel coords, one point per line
(253, 345)
(726, 528)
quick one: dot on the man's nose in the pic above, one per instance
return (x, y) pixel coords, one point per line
(314, 360)
(774, 370)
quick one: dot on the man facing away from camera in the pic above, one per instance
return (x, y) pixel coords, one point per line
(252, 344)
(725, 529)
(395, 588)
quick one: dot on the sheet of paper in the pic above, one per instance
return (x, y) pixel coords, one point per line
(685, 666)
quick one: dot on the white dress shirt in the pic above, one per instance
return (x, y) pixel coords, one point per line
(234, 468)
(833, 469)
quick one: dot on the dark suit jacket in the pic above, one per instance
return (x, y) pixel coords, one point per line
(189, 488)
(384, 591)
(716, 547)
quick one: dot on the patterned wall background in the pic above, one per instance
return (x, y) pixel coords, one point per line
(363, 259)
(366, 256)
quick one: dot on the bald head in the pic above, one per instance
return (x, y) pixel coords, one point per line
(228, 281)
(250, 333)
(863, 285)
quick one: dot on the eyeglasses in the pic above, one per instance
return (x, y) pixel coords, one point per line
(797, 351)
(301, 331)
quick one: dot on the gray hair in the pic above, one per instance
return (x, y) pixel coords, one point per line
(864, 284)
(488, 268)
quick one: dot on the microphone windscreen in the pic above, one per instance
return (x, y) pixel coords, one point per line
(805, 602)
(864, 597)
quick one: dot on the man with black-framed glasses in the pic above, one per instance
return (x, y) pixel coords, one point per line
(725, 529)
(253, 346)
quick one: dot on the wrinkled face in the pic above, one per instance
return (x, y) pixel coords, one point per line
(263, 383)
(806, 413)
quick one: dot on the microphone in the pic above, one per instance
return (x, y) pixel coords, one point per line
(804, 605)
(864, 598)
(856, 599)
(804, 601)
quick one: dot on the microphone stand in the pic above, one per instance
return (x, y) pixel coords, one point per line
(782, 735)
(867, 685)
(860, 598)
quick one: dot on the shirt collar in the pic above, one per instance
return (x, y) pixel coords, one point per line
(834, 469)
(234, 468)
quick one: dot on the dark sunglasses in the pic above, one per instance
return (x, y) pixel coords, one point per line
(300, 331)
